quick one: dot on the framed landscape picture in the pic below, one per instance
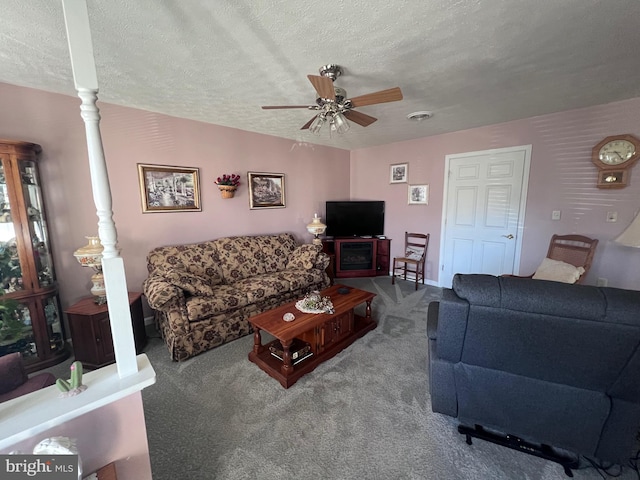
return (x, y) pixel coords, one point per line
(399, 173)
(165, 188)
(266, 190)
(418, 194)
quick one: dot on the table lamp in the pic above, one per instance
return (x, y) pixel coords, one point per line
(91, 256)
(316, 228)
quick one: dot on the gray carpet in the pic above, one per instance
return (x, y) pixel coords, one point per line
(365, 414)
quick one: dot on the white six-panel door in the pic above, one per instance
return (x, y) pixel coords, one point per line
(483, 212)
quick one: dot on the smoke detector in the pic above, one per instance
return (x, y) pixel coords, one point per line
(419, 116)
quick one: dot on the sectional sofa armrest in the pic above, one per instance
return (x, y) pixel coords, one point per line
(161, 294)
(451, 326)
(432, 320)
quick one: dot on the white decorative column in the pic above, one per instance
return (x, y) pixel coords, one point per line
(86, 83)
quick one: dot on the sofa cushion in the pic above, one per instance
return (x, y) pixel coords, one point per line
(224, 298)
(558, 271)
(302, 279)
(263, 286)
(190, 282)
(303, 257)
(198, 258)
(240, 257)
(276, 250)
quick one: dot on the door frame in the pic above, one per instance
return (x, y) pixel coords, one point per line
(523, 200)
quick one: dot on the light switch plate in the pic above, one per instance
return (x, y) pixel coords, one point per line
(555, 215)
(612, 217)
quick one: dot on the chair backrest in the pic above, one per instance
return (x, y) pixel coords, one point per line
(577, 250)
(417, 244)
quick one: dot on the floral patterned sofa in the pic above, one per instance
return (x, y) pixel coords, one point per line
(204, 293)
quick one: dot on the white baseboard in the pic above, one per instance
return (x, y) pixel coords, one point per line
(411, 278)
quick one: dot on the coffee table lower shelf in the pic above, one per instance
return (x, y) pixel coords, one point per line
(274, 366)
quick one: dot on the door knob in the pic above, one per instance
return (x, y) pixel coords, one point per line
(508, 236)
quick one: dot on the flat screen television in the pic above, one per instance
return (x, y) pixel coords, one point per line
(355, 218)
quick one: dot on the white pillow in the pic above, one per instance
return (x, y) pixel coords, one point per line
(558, 271)
(413, 253)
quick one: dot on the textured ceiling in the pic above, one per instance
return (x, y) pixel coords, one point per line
(471, 62)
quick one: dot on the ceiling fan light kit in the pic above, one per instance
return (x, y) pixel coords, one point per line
(334, 108)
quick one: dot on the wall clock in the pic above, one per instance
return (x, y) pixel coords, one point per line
(614, 156)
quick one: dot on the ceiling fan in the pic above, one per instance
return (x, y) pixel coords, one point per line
(333, 106)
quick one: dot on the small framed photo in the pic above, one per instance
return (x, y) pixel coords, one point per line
(165, 188)
(399, 173)
(266, 190)
(418, 194)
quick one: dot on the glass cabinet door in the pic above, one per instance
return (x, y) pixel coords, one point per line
(10, 268)
(36, 221)
(55, 333)
(16, 331)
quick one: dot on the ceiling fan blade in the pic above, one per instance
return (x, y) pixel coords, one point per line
(308, 124)
(383, 96)
(359, 118)
(323, 85)
(279, 107)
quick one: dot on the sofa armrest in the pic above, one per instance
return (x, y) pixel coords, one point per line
(451, 326)
(161, 294)
(432, 320)
(306, 257)
(322, 261)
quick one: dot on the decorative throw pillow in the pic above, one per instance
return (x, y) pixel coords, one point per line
(303, 257)
(413, 253)
(558, 271)
(189, 282)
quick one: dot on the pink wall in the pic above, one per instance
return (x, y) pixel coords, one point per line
(113, 433)
(313, 174)
(562, 178)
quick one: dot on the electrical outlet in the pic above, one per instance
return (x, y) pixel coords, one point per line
(602, 282)
(555, 215)
(612, 217)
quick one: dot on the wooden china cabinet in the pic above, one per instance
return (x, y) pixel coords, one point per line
(33, 326)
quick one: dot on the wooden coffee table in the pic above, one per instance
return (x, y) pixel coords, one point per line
(327, 334)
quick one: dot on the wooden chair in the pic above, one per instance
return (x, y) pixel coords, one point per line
(415, 254)
(577, 250)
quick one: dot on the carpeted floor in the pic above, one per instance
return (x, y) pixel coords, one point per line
(365, 414)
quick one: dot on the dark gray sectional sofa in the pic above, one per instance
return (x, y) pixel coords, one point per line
(547, 362)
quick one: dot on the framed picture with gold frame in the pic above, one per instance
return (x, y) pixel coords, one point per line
(266, 190)
(165, 188)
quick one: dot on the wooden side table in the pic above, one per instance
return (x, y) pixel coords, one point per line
(108, 472)
(91, 330)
